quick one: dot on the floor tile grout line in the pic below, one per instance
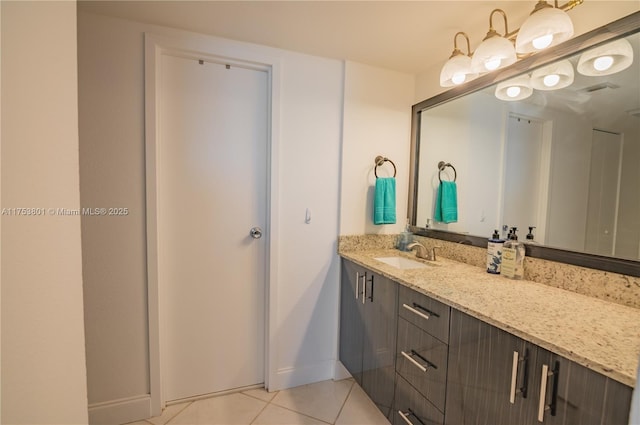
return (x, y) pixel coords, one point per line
(300, 413)
(344, 402)
(266, 403)
(313, 417)
(180, 411)
(275, 393)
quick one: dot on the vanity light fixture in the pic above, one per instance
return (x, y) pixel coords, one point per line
(457, 69)
(556, 76)
(495, 51)
(546, 26)
(517, 88)
(606, 59)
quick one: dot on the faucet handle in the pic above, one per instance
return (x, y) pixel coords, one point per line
(433, 252)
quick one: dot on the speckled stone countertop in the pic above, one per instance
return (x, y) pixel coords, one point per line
(601, 335)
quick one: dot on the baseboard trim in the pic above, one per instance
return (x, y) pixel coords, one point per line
(295, 376)
(216, 394)
(120, 411)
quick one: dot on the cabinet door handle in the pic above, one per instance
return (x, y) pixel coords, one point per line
(358, 283)
(405, 417)
(542, 405)
(514, 378)
(426, 315)
(364, 288)
(418, 365)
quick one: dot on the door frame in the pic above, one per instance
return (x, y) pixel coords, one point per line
(226, 52)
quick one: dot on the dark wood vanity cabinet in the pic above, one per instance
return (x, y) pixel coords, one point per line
(423, 362)
(497, 378)
(368, 317)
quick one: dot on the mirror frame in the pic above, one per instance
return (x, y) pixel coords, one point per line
(617, 29)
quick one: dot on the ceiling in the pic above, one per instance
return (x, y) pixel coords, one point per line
(407, 36)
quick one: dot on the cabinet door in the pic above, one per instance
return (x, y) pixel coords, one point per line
(489, 378)
(380, 318)
(617, 403)
(567, 392)
(351, 318)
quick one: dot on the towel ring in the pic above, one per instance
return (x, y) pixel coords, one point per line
(442, 165)
(381, 160)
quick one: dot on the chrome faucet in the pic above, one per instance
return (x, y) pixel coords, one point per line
(422, 252)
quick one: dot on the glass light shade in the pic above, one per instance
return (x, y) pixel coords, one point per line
(457, 70)
(545, 28)
(493, 53)
(553, 77)
(514, 89)
(606, 59)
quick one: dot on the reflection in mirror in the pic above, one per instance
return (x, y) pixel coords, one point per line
(558, 151)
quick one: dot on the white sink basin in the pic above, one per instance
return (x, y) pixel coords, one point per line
(401, 263)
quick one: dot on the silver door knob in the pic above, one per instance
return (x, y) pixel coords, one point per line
(255, 232)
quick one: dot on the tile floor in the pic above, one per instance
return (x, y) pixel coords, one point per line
(328, 402)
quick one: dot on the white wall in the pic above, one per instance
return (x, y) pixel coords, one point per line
(377, 121)
(111, 99)
(589, 15)
(43, 360)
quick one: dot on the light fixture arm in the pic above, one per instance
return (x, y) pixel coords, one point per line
(492, 31)
(457, 51)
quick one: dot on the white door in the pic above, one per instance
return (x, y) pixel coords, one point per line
(525, 177)
(212, 189)
(604, 189)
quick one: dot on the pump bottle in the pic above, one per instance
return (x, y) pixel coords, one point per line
(494, 253)
(513, 253)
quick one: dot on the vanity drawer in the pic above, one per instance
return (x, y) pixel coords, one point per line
(412, 407)
(428, 314)
(422, 361)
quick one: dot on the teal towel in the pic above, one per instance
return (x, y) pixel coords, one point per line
(447, 203)
(384, 201)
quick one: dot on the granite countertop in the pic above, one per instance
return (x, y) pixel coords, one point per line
(597, 334)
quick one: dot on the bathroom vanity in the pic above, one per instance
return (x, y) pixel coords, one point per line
(450, 344)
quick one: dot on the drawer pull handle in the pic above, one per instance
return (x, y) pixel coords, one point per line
(542, 405)
(418, 365)
(405, 417)
(426, 315)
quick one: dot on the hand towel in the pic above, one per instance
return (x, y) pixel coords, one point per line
(384, 201)
(446, 210)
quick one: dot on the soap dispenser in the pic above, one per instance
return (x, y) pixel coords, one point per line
(530, 236)
(404, 238)
(494, 253)
(513, 253)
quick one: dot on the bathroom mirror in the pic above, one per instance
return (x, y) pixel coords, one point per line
(526, 153)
